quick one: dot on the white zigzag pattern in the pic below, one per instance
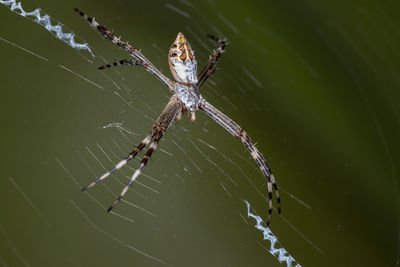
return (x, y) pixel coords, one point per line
(280, 253)
(45, 21)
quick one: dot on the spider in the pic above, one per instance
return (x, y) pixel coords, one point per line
(185, 99)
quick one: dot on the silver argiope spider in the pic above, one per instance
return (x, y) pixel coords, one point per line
(185, 99)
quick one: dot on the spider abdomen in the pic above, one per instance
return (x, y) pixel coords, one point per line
(182, 61)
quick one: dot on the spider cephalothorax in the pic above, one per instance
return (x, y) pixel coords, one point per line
(185, 98)
(189, 96)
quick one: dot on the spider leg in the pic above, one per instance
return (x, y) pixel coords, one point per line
(138, 170)
(124, 161)
(159, 128)
(163, 122)
(233, 128)
(121, 63)
(125, 46)
(210, 67)
(179, 115)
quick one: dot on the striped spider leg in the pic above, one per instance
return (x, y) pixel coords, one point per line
(131, 50)
(233, 128)
(209, 68)
(123, 62)
(185, 99)
(159, 128)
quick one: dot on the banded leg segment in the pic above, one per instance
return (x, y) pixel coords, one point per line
(210, 67)
(139, 169)
(125, 46)
(121, 63)
(124, 161)
(160, 126)
(163, 122)
(233, 128)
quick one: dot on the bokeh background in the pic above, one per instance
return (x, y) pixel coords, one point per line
(314, 83)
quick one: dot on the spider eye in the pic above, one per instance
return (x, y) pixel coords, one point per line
(173, 55)
(173, 46)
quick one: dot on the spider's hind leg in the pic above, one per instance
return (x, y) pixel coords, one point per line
(222, 42)
(121, 63)
(127, 47)
(210, 67)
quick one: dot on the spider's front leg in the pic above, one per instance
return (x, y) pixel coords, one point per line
(233, 128)
(159, 128)
(210, 67)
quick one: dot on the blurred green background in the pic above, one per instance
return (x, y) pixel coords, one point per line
(314, 83)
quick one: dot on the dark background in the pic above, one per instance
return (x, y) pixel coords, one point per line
(314, 83)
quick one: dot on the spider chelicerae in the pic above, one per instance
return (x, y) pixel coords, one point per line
(185, 99)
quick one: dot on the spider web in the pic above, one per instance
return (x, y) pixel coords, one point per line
(196, 201)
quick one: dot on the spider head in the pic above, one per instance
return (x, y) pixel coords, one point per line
(182, 62)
